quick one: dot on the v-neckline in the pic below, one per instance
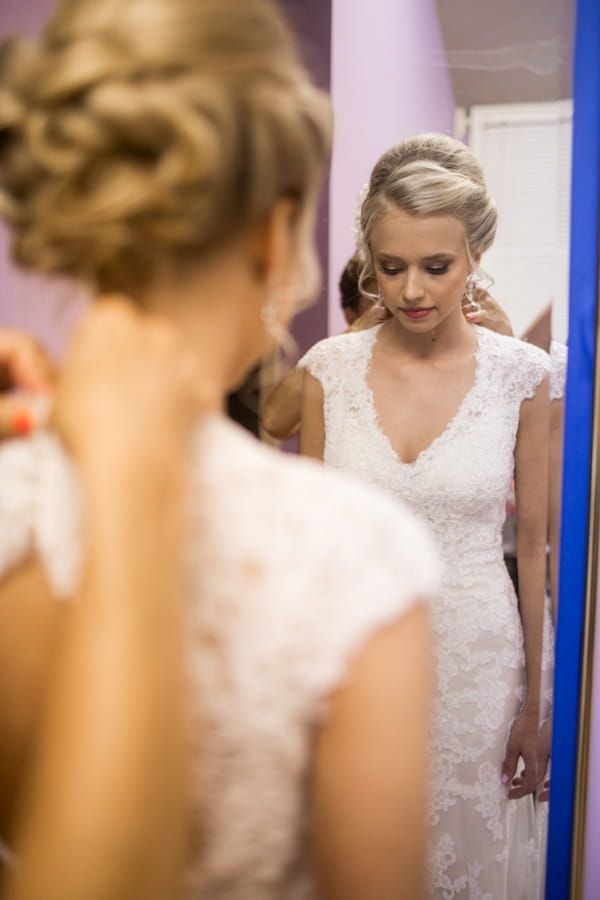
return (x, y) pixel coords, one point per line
(450, 426)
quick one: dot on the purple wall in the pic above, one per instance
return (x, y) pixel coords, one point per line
(44, 308)
(24, 16)
(386, 83)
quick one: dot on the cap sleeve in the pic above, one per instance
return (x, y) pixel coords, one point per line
(58, 522)
(333, 360)
(316, 361)
(528, 367)
(39, 509)
(17, 506)
(558, 375)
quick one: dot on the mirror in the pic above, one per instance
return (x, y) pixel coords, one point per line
(450, 65)
(498, 76)
(573, 868)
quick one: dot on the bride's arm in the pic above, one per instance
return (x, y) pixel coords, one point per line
(371, 767)
(531, 476)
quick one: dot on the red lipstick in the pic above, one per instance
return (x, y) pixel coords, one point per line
(420, 313)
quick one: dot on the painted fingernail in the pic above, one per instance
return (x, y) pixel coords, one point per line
(22, 422)
(504, 779)
(470, 316)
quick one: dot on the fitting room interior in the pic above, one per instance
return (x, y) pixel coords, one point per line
(500, 77)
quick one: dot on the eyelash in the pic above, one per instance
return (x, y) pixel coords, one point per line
(432, 270)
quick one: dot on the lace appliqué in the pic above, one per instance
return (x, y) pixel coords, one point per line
(558, 374)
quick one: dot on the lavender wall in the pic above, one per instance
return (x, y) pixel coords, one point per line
(24, 16)
(386, 83)
(37, 305)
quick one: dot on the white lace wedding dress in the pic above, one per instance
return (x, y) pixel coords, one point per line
(278, 600)
(483, 846)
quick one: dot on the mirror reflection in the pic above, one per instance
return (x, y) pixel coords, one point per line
(368, 405)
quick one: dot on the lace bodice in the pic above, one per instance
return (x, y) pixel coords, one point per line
(460, 482)
(278, 600)
(459, 485)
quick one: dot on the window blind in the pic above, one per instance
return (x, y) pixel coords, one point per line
(525, 152)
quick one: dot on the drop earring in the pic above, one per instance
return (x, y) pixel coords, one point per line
(470, 302)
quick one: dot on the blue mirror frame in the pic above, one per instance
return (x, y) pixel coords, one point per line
(583, 289)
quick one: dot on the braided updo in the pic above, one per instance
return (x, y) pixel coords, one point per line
(428, 174)
(135, 131)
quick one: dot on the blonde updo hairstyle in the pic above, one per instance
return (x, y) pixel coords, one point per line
(135, 132)
(428, 174)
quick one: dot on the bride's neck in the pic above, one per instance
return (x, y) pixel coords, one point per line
(216, 311)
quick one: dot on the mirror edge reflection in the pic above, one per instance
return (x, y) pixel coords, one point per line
(569, 748)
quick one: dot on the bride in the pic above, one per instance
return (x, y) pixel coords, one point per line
(168, 154)
(441, 413)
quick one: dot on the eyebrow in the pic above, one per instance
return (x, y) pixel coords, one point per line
(433, 258)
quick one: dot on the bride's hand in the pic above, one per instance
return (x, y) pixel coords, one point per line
(522, 744)
(128, 386)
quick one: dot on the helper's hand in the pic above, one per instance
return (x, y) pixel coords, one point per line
(27, 379)
(490, 314)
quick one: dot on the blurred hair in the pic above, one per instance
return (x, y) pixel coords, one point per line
(135, 132)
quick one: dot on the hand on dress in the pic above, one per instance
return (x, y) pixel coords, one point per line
(128, 386)
(490, 314)
(544, 748)
(24, 367)
(522, 744)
